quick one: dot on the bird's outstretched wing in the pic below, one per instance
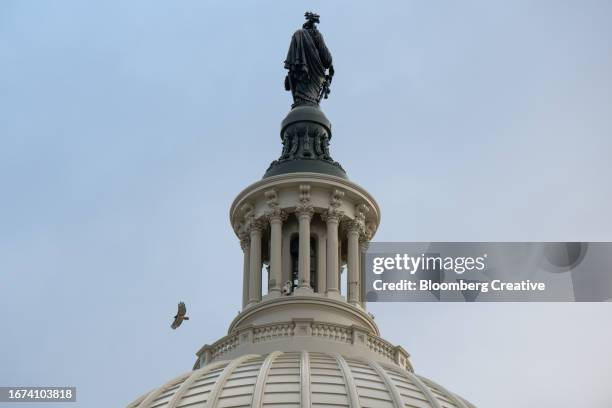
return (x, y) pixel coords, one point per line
(182, 309)
(180, 315)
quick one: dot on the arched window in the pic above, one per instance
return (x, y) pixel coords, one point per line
(294, 250)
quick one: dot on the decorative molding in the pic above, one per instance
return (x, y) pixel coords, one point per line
(250, 223)
(335, 332)
(333, 215)
(361, 211)
(370, 229)
(304, 208)
(336, 198)
(271, 197)
(271, 332)
(255, 225)
(224, 345)
(351, 335)
(305, 140)
(335, 202)
(247, 210)
(274, 214)
(304, 193)
(245, 242)
(354, 226)
(292, 180)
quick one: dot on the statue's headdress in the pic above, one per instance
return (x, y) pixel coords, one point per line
(311, 18)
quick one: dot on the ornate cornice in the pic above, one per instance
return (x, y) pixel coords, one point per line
(273, 212)
(304, 208)
(361, 211)
(335, 202)
(353, 192)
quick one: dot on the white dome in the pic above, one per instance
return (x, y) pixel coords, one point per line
(300, 379)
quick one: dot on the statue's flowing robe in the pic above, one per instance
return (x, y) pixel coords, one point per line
(307, 59)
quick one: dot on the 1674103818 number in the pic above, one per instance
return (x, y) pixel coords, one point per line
(32, 394)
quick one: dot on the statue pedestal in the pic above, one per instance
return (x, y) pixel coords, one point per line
(306, 134)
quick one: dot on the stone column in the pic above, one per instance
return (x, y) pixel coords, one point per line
(276, 230)
(321, 264)
(304, 214)
(304, 211)
(332, 220)
(246, 266)
(276, 216)
(363, 247)
(353, 229)
(340, 268)
(255, 262)
(332, 217)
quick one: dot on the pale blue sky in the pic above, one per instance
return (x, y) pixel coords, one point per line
(127, 128)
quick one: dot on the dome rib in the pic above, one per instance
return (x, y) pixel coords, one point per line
(456, 400)
(222, 379)
(424, 389)
(153, 395)
(178, 395)
(391, 388)
(300, 378)
(305, 379)
(258, 392)
(348, 381)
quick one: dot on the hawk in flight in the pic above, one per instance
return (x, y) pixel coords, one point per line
(180, 316)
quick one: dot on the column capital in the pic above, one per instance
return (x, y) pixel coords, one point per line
(254, 225)
(276, 214)
(354, 226)
(304, 210)
(332, 214)
(245, 241)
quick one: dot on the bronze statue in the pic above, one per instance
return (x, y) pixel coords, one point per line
(309, 63)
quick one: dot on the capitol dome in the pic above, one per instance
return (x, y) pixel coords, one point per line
(303, 337)
(300, 379)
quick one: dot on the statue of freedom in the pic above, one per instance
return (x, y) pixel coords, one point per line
(309, 63)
